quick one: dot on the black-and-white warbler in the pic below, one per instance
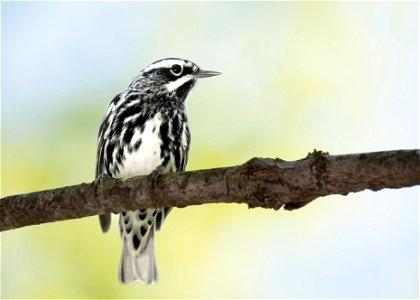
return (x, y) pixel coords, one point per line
(145, 131)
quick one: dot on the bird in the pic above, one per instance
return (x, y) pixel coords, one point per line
(145, 132)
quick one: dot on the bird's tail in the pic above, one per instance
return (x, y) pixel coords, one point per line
(138, 263)
(105, 221)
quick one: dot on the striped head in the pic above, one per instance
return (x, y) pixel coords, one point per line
(171, 76)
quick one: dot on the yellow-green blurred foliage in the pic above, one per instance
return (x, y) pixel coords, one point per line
(335, 76)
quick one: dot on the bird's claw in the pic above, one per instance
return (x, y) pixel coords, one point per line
(154, 176)
(101, 178)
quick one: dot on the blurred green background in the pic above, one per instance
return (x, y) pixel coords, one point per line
(339, 76)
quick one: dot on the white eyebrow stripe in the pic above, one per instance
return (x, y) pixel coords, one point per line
(173, 85)
(167, 63)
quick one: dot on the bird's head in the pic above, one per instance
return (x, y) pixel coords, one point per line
(172, 76)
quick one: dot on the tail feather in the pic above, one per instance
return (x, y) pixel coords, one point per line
(138, 262)
(105, 221)
(161, 216)
(144, 263)
(126, 274)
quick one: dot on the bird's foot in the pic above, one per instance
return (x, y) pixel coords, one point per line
(154, 176)
(101, 178)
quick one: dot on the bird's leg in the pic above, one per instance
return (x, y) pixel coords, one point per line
(105, 218)
(154, 176)
(101, 178)
(98, 183)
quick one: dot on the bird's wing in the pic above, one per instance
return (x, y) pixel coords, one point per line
(103, 134)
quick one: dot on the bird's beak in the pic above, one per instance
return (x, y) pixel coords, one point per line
(204, 74)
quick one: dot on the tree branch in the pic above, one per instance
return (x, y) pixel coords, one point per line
(268, 183)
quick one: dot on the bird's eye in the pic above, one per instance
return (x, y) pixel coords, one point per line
(176, 69)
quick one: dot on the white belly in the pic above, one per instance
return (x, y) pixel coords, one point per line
(148, 156)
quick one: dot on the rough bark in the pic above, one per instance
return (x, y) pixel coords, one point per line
(260, 182)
